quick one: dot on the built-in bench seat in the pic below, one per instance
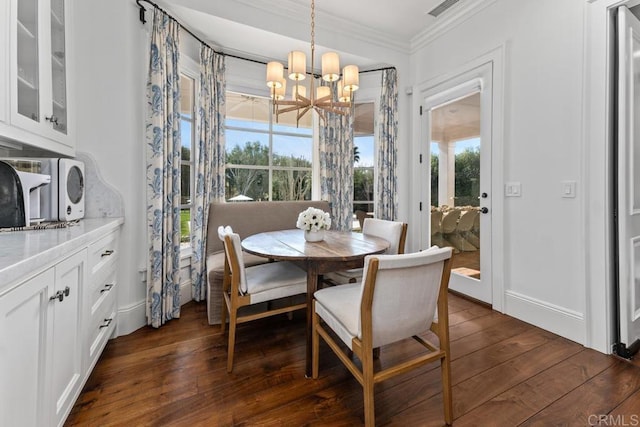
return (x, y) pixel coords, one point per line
(246, 218)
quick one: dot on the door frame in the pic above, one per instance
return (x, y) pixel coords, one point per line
(442, 95)
(487, 67)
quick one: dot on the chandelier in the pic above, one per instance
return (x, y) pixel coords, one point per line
(322, 99)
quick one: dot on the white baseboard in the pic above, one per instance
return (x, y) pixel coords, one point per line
(131, 318)
(185, 292)
(559, 320)
(134, 316)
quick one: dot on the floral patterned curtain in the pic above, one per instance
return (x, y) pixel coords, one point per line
(336, 168)
(387, 159)
(209, 161)
(163, 172)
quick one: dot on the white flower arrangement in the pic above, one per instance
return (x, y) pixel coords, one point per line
(313, 219)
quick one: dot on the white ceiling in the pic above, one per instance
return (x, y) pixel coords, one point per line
(255, 27)
(402, 19)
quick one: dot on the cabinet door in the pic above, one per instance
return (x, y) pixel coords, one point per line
(39, 50)
(24, 341)
(4, 60)
(66, 359)
(58, 66)
(27, 28)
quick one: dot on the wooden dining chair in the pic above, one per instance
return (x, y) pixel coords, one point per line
(402, 296)
(394, 232)
(252, 285)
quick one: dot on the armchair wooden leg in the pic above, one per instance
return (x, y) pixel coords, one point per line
(315, 343)
(233, 316)
(447, 398)
(223, 316)
(367, 389)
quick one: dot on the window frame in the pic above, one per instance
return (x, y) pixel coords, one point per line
(373, 167)
(271, 134)
(190, 69)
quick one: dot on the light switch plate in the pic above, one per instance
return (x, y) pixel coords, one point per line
(512, 189)
(569, 189)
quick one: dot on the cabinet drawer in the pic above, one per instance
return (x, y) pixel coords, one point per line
(102, 254)
(103, 323)
(101, 289)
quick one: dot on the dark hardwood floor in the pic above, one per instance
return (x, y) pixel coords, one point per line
(504, 372)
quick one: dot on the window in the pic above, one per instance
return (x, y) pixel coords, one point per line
(265, 159)
(363, 158)
(187, 129)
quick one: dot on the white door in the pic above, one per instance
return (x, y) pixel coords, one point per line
(628, 179)
(458, 123)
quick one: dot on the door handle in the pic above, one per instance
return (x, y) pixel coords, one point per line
(57, 296)
(107, 287)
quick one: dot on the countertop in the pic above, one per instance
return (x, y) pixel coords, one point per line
(24, 253)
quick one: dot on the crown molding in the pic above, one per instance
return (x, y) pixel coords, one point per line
(294, 11)
(447, 21)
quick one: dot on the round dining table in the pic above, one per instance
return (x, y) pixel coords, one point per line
(340, 250)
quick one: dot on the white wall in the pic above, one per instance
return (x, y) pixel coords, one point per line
(110, 51)
(543, 42)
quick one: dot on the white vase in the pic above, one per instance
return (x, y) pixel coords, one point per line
(314, 236)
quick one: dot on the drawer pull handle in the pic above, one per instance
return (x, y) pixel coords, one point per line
(107, 252)
(107, 287)
(106, 324)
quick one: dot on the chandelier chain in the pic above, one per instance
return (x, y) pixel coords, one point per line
(313, 25)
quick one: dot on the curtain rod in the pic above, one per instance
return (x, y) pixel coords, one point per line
(144, 21)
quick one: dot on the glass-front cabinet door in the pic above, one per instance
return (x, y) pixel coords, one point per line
(4, 61)
(28, 78)
(39, 60)
(58, 67)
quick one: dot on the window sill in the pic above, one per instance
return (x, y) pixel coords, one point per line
(185, 251)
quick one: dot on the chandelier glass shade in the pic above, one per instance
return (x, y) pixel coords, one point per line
(335, 97)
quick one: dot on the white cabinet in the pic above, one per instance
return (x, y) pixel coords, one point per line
(40, 341)
(39, 75)
(100, 299)
(53, 327)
